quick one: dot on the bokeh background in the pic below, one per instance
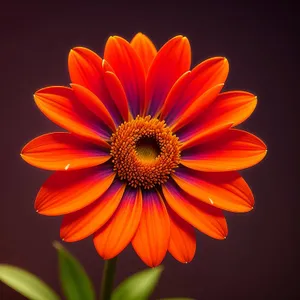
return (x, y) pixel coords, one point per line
(258, 259)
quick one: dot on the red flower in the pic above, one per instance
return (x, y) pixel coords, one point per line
(151, 151)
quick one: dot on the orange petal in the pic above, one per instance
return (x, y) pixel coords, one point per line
(62, 151)
(205, 135)
(233, 150)
(206, 218)
(152, 237)
(61, 106)
(232, 107)
(84, 222)
(196, 107)
(118, 232)
(85, 68)
(94, 104)
(176, 95)
(171, 61)
(182, 244)
(145, 49)
(117, 92)
(191, 86)
(225, 190)
(68, 191)
(129, 69)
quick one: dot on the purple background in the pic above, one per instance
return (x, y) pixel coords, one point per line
(258, 259)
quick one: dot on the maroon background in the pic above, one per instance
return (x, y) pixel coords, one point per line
(258, 259)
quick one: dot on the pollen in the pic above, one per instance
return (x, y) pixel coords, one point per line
(144, 152)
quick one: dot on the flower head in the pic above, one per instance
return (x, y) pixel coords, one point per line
(151, 150)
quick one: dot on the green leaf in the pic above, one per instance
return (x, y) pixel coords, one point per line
(26, 283)
(138, 286)
(75, 282)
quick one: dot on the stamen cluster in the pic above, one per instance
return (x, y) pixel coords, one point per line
(129, 161)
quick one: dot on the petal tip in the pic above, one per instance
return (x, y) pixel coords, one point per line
(110, 39)
(106, 66)
(64, 237)
(140, 34)
(75, 51)
(187, 259)
(185, 40)
(223, 232)
(152, 264)
(225, 63)
(37, 99)
(247, 208)
(113, 38)
(263, 147)
(42, 210)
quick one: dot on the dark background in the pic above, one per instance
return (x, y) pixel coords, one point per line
(258, 259)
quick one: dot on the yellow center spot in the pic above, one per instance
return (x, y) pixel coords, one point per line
(147, 149)
(145, 152)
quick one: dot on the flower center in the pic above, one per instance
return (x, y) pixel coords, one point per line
(147, 149)
(145, 152)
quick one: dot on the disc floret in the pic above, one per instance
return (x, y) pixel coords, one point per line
(145, 152)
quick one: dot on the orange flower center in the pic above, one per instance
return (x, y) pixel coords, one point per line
(145, 152)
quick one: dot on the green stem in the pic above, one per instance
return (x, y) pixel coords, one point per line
(108, 278)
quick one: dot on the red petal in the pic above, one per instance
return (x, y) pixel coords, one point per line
(225, 190)
(198, 105)
(182, 244)
(94, 104)
(152, 237)
(229, 108)
(176, 95)
(145, 49)
(129, 69)
(84, 222)
(192, 85)
(171, 61)
(233, 150)
(206, 218)
(61, 106)
(62, 151)
(116, 90)
(194, 138)
(85, 68)
(68, 191)
(118, 232)
(232, 106)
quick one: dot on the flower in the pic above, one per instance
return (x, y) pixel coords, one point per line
(151, 150)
